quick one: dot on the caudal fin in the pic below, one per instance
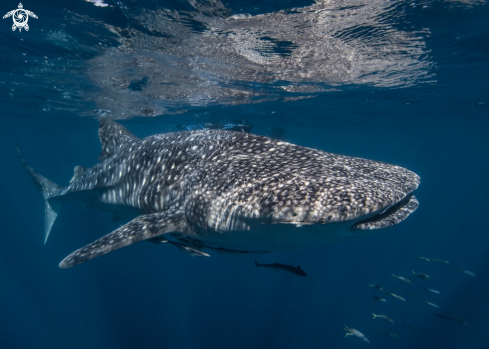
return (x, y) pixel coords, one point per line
(47, 188)
(256, 264)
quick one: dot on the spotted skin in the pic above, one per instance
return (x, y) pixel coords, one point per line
(142, 228)
(234, 190)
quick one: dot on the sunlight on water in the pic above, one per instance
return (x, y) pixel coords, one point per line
(207, 55)
(242, 58)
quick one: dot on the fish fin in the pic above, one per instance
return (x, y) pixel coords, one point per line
(256, 264)
(374, 315)
(52, 206)
(77, 172)
(112, 136)
(393, 276)
(414, 273)
(142, 228)
(299, 267)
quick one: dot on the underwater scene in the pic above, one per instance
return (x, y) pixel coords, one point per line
(244, 174)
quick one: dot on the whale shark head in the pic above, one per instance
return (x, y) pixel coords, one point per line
(262, 182)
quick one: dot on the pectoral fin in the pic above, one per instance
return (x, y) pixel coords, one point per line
(142, 228)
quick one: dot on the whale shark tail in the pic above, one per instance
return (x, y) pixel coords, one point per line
(52, 205)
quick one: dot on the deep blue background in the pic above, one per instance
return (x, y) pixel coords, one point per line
(155, 296)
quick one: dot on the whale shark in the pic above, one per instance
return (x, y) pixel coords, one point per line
(228, 191)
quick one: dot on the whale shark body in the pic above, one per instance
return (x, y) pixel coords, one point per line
(229, 191)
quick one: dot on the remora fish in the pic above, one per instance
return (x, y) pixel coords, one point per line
(232, 190)
(194, 252)
(278, 266)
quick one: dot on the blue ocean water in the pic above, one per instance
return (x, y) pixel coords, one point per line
(396, 81)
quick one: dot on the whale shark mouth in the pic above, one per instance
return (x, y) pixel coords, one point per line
(391, 216)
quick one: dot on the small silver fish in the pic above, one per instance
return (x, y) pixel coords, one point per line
(383, 317)
(429, 289)
(389, 334)
(377, 287)
(457, 318)
(403, 279)
(425, 259)
(410, 326)
(429, 303)
(467, 272)
(356, 333)
(380, 299)
(396, 296)
(421, 275)
(440, 260)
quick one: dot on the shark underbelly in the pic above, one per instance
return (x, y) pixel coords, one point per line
(278, 237)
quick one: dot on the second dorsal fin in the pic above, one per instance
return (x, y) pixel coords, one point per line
(112, 136)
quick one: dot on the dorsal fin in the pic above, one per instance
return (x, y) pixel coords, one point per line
(112, 136)
(77, 172)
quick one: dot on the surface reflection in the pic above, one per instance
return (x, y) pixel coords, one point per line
(207, 55)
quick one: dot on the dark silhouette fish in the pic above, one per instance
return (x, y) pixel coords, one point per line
(444, 317)
(277, 266)
(229, 190)
(457, 318)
